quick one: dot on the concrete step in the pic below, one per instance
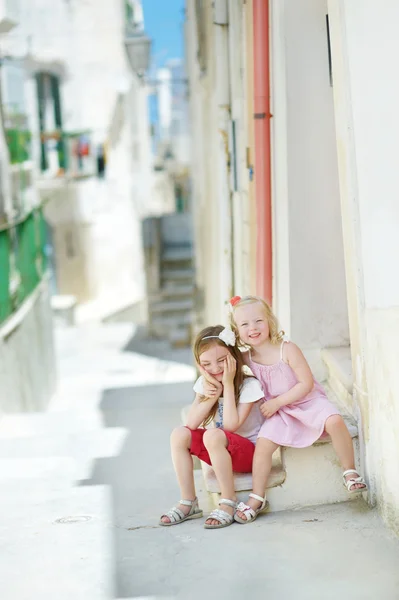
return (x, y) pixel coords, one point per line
(43, 521)
(169, 307)
(177, 275)
(174, 292)
(180, 338)
(300, 476)
(338, 362)
(178, 254)
(164, 326)
(243, 481)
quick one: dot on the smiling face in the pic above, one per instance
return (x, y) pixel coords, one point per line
(252, 324)
(213, 359)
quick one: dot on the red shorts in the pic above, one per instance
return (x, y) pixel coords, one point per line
(240, 449)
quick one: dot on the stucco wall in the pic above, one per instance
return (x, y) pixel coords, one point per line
(307, 223)
(365, 42)
(27, 362)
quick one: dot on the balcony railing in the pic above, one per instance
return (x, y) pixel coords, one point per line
(23, 260)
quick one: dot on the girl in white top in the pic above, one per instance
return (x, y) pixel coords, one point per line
(227, 400)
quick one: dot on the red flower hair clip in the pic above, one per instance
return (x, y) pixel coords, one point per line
(234, 300)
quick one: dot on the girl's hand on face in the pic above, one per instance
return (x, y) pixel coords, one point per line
(230, 367)
(212, 387)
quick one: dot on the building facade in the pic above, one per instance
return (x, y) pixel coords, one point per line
(293, 191)
(87, 113)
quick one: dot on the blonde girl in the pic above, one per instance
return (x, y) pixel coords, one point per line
(296, 408)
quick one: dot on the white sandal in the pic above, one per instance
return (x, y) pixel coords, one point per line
(251, 513)
(349, 483)
(224, 518)
(176, 516)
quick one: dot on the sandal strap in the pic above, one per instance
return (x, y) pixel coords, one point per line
(242, 507)
(221, 515)
(174, 514)
(349, 471)
(188, 502)
(355, 480)
(228, 502)
(256, 497)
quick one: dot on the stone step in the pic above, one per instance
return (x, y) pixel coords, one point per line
(300, 476)
(338, 362)
(177, 254)
(175, 275)
(180, 338)
(174, 292)
(43, 520)
(168, 307)
(27, 457)
(163, 326)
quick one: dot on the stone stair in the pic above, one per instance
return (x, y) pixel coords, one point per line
(45, 512)
(299, 477)
(170, 276)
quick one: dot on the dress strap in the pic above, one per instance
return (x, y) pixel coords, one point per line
(285, 340)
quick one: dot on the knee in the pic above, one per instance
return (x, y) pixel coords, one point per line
(265, 447)
(214, 438)
(180, 436)
(334, 422)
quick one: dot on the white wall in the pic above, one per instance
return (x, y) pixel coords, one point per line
(306, 175)
(27, 361)
(365, 49)
(84, 41)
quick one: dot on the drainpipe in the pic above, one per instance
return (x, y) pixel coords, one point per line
(262, 117)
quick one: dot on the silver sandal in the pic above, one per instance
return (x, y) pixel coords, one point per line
(176, 516)
(251, 513)
(349, 483)
(224, 518)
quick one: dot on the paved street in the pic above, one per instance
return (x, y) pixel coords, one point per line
(82, 488)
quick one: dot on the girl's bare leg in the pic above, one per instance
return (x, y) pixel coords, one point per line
(261, 467)
(342, 444)
(216, 443)
(180, 441)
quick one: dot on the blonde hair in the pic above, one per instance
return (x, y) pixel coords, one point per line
(207, 338)
(275, 333)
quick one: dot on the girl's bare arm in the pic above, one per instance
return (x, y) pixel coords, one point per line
(299, 365)
(199, 410)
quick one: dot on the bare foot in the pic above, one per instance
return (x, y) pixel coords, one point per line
(225, 507)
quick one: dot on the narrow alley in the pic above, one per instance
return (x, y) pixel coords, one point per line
(83, 486)
(197, 187)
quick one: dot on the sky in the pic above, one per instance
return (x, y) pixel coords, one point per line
(163, 21)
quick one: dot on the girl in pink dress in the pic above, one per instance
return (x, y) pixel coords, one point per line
(296, 407)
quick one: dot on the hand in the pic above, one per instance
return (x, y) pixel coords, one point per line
(230, 367)
(269, 408)
(212, 387)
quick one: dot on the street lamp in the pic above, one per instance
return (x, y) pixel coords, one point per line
(138, 49)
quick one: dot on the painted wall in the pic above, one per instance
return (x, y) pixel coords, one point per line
(364, 37)
(84, 43)
(27, 362)
(308, 244)
(221, 197)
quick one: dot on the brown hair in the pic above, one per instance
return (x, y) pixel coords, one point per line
(201, 345)
(275, 333)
